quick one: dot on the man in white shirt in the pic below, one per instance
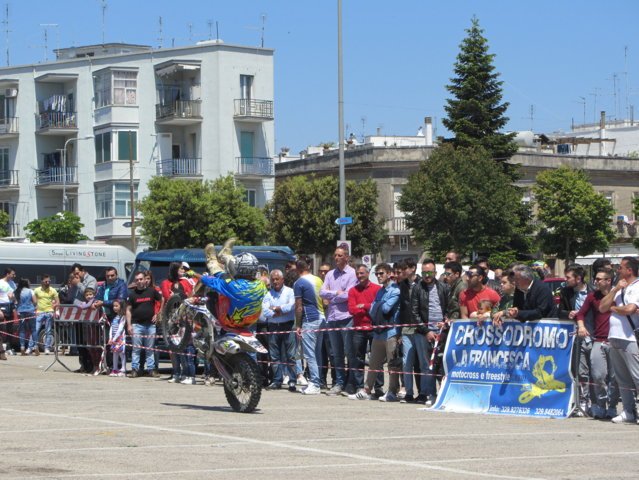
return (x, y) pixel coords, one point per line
(622, 302)
(278, 310)
(6, 311)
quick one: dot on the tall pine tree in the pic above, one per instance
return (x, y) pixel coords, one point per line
(476, 113)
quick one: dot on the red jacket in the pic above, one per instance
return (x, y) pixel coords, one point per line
(362, 295)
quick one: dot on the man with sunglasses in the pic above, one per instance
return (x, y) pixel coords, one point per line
(603, 377)
(622, 301)
(453, 277)
(429, 303)
(476, 292)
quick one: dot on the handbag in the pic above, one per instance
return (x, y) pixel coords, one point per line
(635, 330)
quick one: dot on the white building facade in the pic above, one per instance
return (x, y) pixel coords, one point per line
(77, 132)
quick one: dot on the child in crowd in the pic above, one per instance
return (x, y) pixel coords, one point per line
(484, 311)
(117, 340)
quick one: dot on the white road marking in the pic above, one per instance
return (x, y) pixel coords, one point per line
(274, 444)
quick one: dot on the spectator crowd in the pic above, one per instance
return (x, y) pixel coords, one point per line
(341, 322)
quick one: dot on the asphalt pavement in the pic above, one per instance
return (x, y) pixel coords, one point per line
(59, 425)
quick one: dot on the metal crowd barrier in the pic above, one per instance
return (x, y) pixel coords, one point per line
(81, 328)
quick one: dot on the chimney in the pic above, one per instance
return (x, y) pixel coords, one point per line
(428, 122)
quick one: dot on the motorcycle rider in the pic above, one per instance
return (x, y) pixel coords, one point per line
(240, 292)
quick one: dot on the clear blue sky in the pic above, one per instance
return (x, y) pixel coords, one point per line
(398, 56)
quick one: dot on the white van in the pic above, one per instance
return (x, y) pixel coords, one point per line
(32, 260)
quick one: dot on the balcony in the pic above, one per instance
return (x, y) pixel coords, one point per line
(397, 226)
(55, 178)
(179, 167)
(253, 110)
(179, 112)
(8, 127)
(255, 167)
(9, 180)
(56, 123)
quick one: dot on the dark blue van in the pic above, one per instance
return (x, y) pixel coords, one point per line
(158, 260)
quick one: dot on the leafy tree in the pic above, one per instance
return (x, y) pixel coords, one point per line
(458, 200)
(4, 223)
(189, 214)
(303, 210)
(576, 219)
(63, 227)
(476, 112)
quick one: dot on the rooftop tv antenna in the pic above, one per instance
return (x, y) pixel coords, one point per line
(46, 27)
(190, 26)
(160, 33)
(210, 24)
(104, 9)
(5, 22)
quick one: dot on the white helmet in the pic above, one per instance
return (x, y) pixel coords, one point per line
(246, 265)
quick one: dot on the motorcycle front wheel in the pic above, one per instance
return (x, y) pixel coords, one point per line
(244, 390)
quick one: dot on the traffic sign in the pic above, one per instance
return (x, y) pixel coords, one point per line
(344, 221)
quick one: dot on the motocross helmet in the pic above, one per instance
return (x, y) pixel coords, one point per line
(246, 266)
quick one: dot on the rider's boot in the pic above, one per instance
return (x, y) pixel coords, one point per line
(212, 263)
(226, 256)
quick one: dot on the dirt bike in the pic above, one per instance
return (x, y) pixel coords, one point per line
(190, 318)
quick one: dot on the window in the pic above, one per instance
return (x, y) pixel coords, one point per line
(103, 201)
(114, 200)
(250, 196)
(127, 145)
(125, 86)
(115, 87)
(123, 199)
(103, 147)
(246, 86)
(403, 243)
(4, 159)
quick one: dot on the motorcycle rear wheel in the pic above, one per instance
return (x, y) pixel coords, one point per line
(244, 390)
(176, 324)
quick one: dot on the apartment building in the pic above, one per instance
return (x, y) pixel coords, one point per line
(76, 133)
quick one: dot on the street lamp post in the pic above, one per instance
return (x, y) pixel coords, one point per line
(65, 200)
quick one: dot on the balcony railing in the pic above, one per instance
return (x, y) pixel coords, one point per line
(56, 120)
(260, 166)
(57, 176)
(397, 225)
(254, 108)
(8, 125)
(179, 109)
(8, 178)
(179, 167)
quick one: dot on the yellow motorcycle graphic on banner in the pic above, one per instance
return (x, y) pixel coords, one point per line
(545, 380)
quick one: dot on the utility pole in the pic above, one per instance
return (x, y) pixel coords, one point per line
(340, 108)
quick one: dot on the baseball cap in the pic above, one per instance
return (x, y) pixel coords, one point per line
(186, 265)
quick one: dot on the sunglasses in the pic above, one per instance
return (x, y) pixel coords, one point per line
(429, 274)
(472, 274)
(601, 279)
(380, 273)
(324, 271)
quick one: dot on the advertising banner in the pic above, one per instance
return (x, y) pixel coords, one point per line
(516, 369)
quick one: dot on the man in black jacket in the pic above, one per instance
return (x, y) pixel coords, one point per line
(533, 299)
(572, 297)
(429, 303)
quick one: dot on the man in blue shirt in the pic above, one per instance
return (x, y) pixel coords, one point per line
(278, 310)
(309, 313)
